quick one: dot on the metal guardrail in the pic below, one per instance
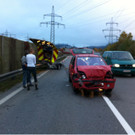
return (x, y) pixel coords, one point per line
(15, 72)
(10, 74)
(61, 57)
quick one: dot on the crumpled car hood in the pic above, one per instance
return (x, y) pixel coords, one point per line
(97, 72)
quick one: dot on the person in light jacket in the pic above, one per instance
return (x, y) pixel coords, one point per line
(31, 67)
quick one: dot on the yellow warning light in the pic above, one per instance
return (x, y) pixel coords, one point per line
(43, 43)
(100, 89)
(48, 43)
(38, 41)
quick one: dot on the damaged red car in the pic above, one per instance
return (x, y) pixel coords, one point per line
(91, 73)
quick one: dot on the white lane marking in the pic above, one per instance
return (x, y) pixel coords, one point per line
(43, 74)
(65, 59)
(3, 100)
(120, 118)
(10, 95)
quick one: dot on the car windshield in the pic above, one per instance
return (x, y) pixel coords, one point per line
(122, 56)
(83, 61)
(82, 51)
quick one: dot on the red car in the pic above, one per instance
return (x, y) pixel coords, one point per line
(90, 73)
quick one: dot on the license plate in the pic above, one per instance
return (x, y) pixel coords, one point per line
(127, 71)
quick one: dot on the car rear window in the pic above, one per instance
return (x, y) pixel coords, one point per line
(89, 61)
(82, 51)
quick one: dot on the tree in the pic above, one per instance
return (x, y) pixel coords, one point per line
(124, 36)
(125, 43)
(130, 37)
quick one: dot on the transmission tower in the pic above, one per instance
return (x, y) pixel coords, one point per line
(52, 24)
(111, 30)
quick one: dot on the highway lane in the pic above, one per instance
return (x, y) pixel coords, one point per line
(123, 97)
(54, 108)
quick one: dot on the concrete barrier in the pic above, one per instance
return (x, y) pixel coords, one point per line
(11, 52)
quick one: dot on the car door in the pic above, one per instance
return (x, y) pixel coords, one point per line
(108, 59)
(71, 67)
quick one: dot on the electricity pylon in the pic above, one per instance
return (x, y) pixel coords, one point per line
(52, 24)
(111, 30)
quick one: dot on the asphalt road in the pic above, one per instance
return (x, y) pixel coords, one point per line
(55, 109)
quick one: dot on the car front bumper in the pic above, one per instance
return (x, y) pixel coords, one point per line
(119, 71)
(96, 85)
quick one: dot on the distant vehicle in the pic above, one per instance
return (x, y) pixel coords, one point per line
(77, 51)
(47, 53)
(122, 62)
(90, 73)
(97, 53)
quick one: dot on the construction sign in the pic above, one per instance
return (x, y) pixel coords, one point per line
(46, 50)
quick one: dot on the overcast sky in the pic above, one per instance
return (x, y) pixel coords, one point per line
(84, 19)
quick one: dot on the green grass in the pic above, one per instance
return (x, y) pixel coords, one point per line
(7, 84)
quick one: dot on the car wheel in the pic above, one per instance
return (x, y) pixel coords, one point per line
(86, 93)
(76, 91)
(58, 67)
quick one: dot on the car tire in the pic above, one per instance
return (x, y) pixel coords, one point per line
(58, 67)
(76, 91)
(86, 93)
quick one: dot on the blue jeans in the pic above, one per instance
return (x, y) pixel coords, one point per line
(25, 75)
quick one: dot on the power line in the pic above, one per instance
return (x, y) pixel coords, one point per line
(90, 19)
(127, 19)
(52, 23)
(118, 13)
(89, 9)
(93, 20)
(111, 30)
(129, 24)
(76, 8)
(67, 4)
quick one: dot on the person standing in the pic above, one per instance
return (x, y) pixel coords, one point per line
(25, 71)
(24, 68)
(31, 67)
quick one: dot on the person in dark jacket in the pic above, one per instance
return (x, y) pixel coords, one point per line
(25, 71)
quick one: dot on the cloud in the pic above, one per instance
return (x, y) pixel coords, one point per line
(84, 19)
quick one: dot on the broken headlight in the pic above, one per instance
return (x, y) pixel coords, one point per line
(82, 75)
